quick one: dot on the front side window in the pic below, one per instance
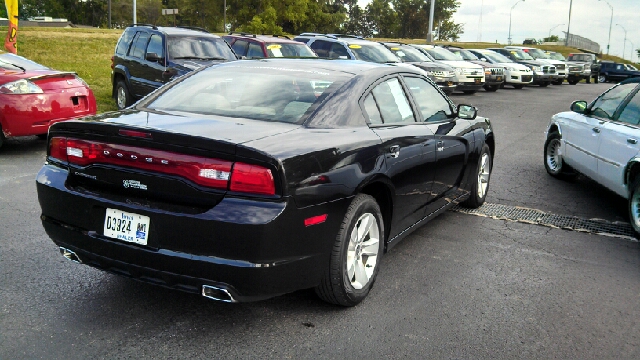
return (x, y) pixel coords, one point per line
(240, 47)
(288, 50)
(433, 106)
(321, 48)
(392, 102)
(631, 113)
(605, 106)
(338, 51)
(255, 51)
(155, 46)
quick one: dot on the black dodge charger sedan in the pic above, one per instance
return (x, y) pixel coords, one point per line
(255, 178)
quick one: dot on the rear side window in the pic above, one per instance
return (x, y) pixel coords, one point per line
(139, 45)
(338, 50)
(125, 41)
(372, 110)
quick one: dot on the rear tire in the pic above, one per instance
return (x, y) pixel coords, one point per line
(491, 88)
(588, 80)
(572, 82)
(558, 82)
(356, 254)
(634, 205)
(603, 78)
(553, 162)
(123, 96)
(42, 136)
(544, 84)
(2, 138)
(481, 184)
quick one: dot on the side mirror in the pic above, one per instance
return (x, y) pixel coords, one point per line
(579, 106)
(483, 59)
(153, 57)
(467, 112)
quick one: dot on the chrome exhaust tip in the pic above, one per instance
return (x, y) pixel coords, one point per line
(217, 293)
(70, 255)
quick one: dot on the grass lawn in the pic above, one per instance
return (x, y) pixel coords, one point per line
(88, 52)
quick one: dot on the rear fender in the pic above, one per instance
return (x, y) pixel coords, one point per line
(631, 171)
(119, 72)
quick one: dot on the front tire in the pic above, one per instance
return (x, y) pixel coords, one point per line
(558, 82)
(123, 96)
(602, 78)
(634, 205)
(544, 84)
(481, 185)
(355, 255)
(519, 86)
(2, 138)
(469, 92)
(572, 82)
(491, 88)
(553, 162)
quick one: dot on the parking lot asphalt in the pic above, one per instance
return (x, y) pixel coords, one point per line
(460, 287)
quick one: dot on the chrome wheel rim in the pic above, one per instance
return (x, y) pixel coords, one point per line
(635, 209)
(362, 254)
(554, 159)
(483, 175)
(602, 79)
(122, 98)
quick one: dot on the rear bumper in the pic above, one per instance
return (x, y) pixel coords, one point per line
(253, 249)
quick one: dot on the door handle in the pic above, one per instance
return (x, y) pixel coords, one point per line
(440, 146)
(394, 150)
(596, 130)
(632, 141)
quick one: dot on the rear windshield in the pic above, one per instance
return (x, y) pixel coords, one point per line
(261, 92)
(465, 54)
(442, 54)
(495, 57)
(289, 50)
(373, 52)
(15, 62)
(194, 47)
(409, 54)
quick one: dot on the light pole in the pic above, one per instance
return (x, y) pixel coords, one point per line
(624, 43)
(514, 5)
(632, 46)
(550, 30)
(566, 40)
(610, 22)
(430, 32)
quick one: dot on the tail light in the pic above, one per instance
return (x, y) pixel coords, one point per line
(113, 64)
(252, 179)
(203, 171)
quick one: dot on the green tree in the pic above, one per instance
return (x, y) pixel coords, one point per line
(381, 19)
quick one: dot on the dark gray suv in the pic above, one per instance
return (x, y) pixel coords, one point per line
(148, 56)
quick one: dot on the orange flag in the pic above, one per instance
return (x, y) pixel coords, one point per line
(11, 41)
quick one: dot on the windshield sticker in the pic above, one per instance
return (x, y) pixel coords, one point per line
(354, 46)
(274, 46)
(276, 52)
(395, 49)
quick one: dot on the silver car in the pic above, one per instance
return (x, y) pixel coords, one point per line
(600, 141)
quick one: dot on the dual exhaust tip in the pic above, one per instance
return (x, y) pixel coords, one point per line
(208, 291)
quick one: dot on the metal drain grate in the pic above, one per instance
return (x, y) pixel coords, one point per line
(533, 216)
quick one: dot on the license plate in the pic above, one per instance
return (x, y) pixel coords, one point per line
(477, 81)
(126, 226)
(499, 78)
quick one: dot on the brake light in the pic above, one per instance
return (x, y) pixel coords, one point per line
(252, 179)
(202, 171)
(113, 65)
(133, 133)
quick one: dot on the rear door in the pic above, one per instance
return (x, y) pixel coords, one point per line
(619, 143)
(409, 148)
(154, 71)
(137, 66)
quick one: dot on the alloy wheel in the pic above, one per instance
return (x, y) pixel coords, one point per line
(483, 175)
(635, 209)
(122, 98)
(362, 253)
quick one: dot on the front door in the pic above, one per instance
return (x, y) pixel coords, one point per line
(409, 151)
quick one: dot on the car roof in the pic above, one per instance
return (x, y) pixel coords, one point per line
(265, 38)
(177, 31)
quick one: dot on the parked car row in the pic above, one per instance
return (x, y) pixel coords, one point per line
(138, 70)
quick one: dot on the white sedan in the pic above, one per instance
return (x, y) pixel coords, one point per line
(600, 141)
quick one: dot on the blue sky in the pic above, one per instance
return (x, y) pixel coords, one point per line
(535, 18)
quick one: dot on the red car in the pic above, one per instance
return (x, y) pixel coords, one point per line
(253, 46)
(32, 97)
